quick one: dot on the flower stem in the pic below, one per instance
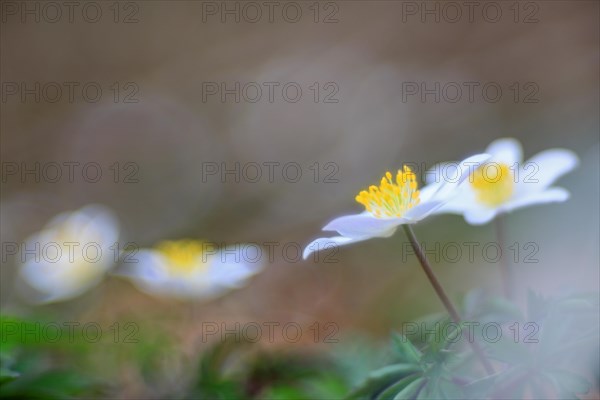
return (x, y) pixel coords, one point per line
(443, 296)
(506, 272)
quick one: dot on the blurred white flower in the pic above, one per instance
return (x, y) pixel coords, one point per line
(190, 269)
(393, 203)
(505, 183)
(70, 254)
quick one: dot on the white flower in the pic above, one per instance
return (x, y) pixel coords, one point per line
(393, 203)
(190, 269)
(504, 183)
(71, 254)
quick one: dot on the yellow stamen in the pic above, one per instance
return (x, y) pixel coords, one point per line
(493, 183)
(183, 256)
(391, 199)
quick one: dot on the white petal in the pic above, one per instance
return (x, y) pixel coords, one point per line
(551, 195)
(454, 172)
(364, 225)
(328, 244)
(422, 210)
(195, 287)
(543, 169)
(428, 191)
(456, 196)
(447, 188)
(58, 220)
(440, 172)
(146, 265)
(231, 268)
(479, 216)
(69, 273)
(470, 164)
(505, 150)
(226, 270)
(41, 276)
(151, 275)
(103, 225)
(61, 280)
(458, 205)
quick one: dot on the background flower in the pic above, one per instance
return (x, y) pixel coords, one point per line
(506, 183)
(190, 269)
(71, 254)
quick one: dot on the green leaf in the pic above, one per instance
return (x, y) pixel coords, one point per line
(500, 310)
(406, 350)
(381, 378)
(15, 332)
(325, 386)
(480, 306)
(440, 345)
(211, 381)
(395, 389)
(49, 385)
(7, 375)
(283, 392)
(411, 390)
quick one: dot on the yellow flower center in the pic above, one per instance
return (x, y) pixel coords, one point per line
(183, 256)
(391, 199)
(493, 183)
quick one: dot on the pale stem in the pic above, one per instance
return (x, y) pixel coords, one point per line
(443, 296)
(506, 271)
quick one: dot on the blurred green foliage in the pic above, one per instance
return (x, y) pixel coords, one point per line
(551, 364)
(550, 361)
